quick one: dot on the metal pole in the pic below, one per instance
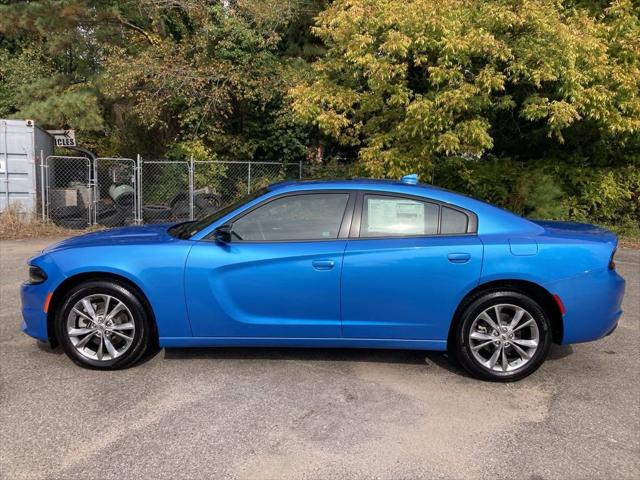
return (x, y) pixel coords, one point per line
(93, 186)
(139, 162)
(46, 188)
(249, 179)
(191, 188)
(300, 170)
(134, 181)
(42, 187)
(6, 163)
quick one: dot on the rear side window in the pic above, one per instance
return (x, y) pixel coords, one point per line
(387, 216)
(294, 217)
(453, 221)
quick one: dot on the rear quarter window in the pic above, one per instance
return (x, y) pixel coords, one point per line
(453, 221)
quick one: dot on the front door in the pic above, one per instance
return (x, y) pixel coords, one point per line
(278, 277)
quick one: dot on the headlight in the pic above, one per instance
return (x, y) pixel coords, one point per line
(36, 274)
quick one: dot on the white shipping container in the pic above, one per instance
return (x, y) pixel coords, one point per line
(21, 144)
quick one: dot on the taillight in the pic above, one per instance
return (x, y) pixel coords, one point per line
(612, 261)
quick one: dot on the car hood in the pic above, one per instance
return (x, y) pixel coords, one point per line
(582, 231)
(132, 235)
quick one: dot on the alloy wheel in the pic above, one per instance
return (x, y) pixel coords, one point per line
(504, 338)
(100, 327)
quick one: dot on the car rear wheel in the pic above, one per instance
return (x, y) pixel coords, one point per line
(103, 325)
(502, 336)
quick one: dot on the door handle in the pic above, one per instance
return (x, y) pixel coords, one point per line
(323, 264)
(459, 257)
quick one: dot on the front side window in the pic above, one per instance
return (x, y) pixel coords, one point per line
(387, 216)
(316, 216)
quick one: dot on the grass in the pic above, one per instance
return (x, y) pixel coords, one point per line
(13, 226)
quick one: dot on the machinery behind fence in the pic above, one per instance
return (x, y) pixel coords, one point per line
(78, 191)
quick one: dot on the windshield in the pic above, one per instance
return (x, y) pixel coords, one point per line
(186, 230)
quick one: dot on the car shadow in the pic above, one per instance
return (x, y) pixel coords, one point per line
(559, 352)
(357, 355)
(409, 357)
(47, 348)
(440, 360)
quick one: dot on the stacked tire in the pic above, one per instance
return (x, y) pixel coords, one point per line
(109, 215)
(156, 214)
(74, 217)
(203, 204)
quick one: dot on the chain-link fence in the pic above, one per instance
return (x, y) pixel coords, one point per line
(162, 184)
(68, 191)
(79, 191)
(115, 191)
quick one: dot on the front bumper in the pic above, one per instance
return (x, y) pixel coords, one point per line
(593, 304)
(34, 319)
(33, 297)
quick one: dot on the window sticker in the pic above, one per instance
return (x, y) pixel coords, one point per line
(395, 216)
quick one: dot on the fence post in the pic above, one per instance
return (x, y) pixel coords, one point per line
(300, 170)
(191, 187)
(95, 195)
(139, 187)
(249, 179)
(6, 163)
(42, 187)
(134, 180)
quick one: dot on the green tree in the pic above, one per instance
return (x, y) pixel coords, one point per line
(412, 83)
(141, 76)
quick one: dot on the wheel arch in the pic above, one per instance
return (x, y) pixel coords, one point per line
(538, 293)
(77, 279)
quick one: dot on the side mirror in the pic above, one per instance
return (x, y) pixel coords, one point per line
(223, 234)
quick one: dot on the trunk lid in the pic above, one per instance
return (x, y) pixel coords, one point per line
(579, 231)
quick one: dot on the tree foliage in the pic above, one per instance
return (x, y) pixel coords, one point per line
(414, 82)
(531, 104)
(144, 75)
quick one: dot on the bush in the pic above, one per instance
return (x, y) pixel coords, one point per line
(549, 189)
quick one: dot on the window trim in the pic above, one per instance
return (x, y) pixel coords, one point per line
(343, 230)
(356, 224)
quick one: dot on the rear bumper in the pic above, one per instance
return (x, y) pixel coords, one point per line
(593, 304)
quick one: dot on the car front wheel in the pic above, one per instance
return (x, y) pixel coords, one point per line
(502, 336)
(103, 325)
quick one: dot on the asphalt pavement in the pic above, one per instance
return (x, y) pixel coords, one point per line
(317, 414)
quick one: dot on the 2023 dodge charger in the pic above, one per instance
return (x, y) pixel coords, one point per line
(360, 263)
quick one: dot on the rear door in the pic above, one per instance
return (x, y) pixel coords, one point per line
(280, 274)
(408, 264)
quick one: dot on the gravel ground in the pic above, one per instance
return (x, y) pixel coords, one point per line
(291, 413)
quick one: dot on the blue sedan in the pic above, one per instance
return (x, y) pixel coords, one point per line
(329, 264)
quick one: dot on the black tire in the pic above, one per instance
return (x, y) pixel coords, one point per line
(72, 223)
(109, 216)
(181, 210)
(143, 337)
(206, 201)
(156, 213)
(104, 208)
(125, 200)
(68, 212)
(462, 343)
(180, 197)
(116, 219)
